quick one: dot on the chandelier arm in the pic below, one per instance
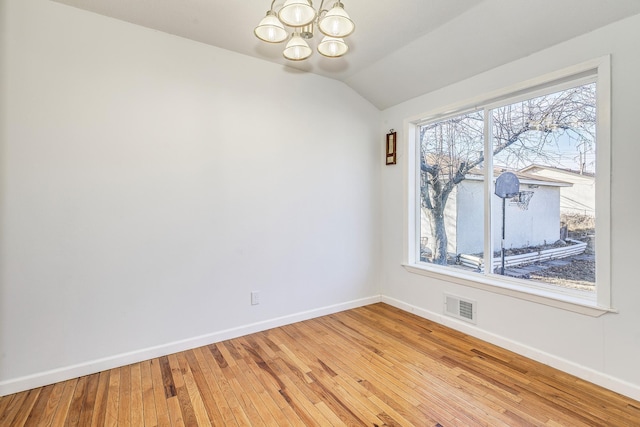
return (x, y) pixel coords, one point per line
(320, 10)
(272, 3)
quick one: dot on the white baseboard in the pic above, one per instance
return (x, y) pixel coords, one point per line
(587, 374)
(62, 374)
(49, 377)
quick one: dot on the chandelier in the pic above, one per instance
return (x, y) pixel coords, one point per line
(300, 15)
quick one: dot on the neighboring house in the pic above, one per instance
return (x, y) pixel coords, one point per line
(537, 225)
(576, 199)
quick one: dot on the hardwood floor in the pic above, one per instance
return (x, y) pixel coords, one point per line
(373, 366)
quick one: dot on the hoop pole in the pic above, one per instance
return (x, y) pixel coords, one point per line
(502, 242)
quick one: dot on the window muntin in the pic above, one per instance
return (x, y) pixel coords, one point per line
(548, 138)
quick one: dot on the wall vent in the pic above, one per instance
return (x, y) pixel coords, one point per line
(460, 308)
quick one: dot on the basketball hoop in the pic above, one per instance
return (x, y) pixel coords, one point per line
(522, 199)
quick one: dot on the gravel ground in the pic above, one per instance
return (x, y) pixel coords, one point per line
(578, 274)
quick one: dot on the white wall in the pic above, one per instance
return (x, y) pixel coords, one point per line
(579, 198)
(149, 183)
(603, 349)
(464, 219)
(537, 225)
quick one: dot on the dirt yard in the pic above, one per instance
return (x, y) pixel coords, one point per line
(578, 274)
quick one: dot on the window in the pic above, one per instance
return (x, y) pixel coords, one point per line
(512, 192)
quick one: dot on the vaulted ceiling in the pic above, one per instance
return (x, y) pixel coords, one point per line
(400, 49)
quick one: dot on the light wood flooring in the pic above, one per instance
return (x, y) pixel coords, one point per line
(370, 366)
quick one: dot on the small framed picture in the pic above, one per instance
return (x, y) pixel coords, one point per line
(390, 152)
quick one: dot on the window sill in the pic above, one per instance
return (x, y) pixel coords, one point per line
(567, 299)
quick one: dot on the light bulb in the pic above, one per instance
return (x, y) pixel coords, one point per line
(270, 29)
(332, 47)
(336, 22)
(297, 49)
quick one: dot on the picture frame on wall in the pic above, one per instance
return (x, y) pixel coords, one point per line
(391, 148)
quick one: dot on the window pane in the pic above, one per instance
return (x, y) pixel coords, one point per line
(451, 189)
(549, 144)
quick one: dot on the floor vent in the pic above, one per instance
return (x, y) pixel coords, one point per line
(460, 308)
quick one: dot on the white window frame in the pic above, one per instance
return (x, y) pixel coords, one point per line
(589, 303)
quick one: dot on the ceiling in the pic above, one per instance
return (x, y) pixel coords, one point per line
(400, 49)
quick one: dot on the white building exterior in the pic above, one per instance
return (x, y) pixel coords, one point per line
(579, 198)
(537, 225)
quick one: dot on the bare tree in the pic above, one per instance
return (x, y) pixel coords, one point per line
(523, 133)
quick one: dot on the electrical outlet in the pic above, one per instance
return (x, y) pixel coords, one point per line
(255, 298)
